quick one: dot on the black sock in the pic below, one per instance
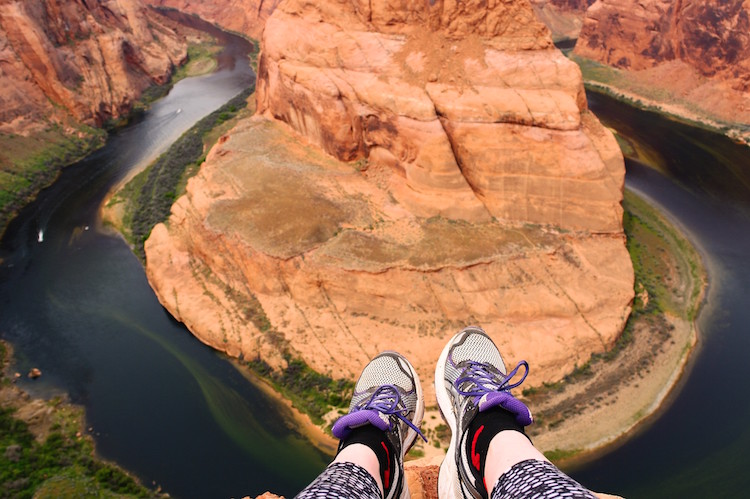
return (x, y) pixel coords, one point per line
(481, 431)
(376, 440)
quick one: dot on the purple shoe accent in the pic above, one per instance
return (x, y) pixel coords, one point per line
(385, 402)
(490, 388)
(509, 403)
(345, 424)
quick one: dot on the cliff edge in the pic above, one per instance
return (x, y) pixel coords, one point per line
(410, 170)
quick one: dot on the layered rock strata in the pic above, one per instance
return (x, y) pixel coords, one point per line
(242, 16)
(87, 59)
(700, 49)
(469, 111)
(410, 170)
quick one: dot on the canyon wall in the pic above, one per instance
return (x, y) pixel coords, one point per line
(90, 60)
(564, 18)
(410, 170)
(699, 49)
(247, 17)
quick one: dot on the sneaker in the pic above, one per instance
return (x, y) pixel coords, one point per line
(470, 378)
(387, 395)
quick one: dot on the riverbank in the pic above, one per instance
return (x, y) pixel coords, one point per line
(648, 95)
(47, 450)
(29, 163)
(613, 394)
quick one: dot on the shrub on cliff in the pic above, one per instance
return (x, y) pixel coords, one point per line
(159, 189)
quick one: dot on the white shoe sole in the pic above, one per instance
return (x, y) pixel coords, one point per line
(449, 486)
(411, 435)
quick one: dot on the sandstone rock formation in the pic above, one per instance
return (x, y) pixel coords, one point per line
(242, 16)
(88, 59)
(694, 42)
(454, 102)
(411, 169)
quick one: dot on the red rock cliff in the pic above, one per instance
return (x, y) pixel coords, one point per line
(411, 169)
(91, 59)
(711, 37)
(243, 16)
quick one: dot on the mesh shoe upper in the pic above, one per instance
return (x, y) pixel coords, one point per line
(471, 378)
(387, 395)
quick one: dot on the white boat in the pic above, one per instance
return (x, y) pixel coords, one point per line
(40, 237)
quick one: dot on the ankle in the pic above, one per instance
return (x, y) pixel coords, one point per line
(368, 442)
(507, 448)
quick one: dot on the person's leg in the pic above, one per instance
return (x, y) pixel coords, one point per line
(383, 422)
(488, 446)
(515, 468)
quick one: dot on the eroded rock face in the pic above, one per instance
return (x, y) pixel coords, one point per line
(90, 58)
(410, 171)
(243, 16)
(471, 112)
(275, 236)
(712, 37)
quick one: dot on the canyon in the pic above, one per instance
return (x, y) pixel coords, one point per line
(70, 62)
(697, 51)
(409, 170)
(564, 18)
(247, 17)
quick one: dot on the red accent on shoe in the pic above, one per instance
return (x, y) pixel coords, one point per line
(387, 472)
(475, 457)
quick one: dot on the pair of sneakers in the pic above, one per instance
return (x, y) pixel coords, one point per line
(470, 378)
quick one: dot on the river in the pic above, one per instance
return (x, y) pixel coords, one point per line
(77, 306)
(699, 445)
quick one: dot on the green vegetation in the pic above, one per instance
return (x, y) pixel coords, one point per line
(313, 393)
(149, 196)
(614, 82)
(28, 164)
(59, 464)
(201, 59)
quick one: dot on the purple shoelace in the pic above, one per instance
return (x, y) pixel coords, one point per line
(385, 400)
(491, 389)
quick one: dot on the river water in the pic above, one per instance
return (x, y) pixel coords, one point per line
(699, 446)
(77, 305)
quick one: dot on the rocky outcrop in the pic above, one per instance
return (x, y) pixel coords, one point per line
(242, 16)
(410, 170)
(466, 103)
(696, 41)
(87, 59)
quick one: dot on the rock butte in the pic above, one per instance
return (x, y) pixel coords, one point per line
(410, 170)
(90, 61)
